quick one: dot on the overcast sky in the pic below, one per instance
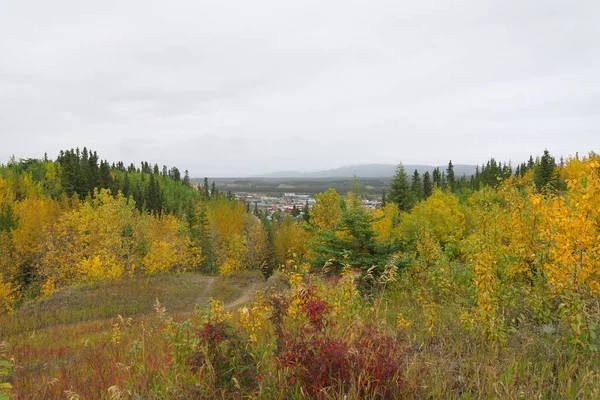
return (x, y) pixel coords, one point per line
(235, 88)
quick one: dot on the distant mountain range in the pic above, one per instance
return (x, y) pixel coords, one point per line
(369, 171)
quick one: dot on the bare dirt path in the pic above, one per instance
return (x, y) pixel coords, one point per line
(210, 281)
(246, 297)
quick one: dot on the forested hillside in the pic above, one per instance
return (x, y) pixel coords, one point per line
(453, 285)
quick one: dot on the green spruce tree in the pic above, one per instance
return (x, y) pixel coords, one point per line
(400, 191)
(427, 185)
(437, 178)
(306, 212)
(206, 189)
(416, 187)
(545, 176)
(450, 177)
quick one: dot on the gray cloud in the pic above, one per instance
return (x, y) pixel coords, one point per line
(237, 88)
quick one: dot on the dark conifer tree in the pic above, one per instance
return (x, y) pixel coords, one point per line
(138, 196)
(437, 178)
(450, 177)
(416, 186)
(175, 174)
(530, 163)
(462, 183)
(153, 195)
(400, 192)
(126, 184)
(427, 185)
(105, 179)
(545, 176)
(306, 212)
(93, 171)
(206, 189)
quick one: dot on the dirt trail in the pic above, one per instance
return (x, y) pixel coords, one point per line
(210, 281)
(246, 297)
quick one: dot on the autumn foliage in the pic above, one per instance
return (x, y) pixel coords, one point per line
(485, 293)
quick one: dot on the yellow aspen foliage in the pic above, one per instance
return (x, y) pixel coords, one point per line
(52, 177)
(26, 187)
(385, 223)
(48, 287)
(571, 226)
(34, 217)
(428, 249)
(234, 254)
(526, 181)
(431, 269)
(226, 218)
(7, 199)
(573, 169)
(92, 242)
(6, 194)
(8, 264)
(7, 252)
(290, 239)
(520, 224)
(353, 201)
(441, 213)
(484, 265)
(327, 211)
(169, 248)
(257, 241)
(161, 257)
(482, 252)
(7, 296)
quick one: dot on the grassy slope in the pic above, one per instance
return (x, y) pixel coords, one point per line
(66, 342)
(80, 355)
(129, 297)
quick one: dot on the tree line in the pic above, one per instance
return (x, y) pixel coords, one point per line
(79, 219)
(406, 191)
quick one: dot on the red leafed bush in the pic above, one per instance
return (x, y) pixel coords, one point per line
(366, 358)
(319, 362)
(316, 311)
(316, 362)
(379, 358)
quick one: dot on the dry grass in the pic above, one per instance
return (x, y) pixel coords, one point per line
(178, 293)
(138, 359)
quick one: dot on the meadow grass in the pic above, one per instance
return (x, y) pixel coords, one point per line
(148, 354)
(180, 293)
